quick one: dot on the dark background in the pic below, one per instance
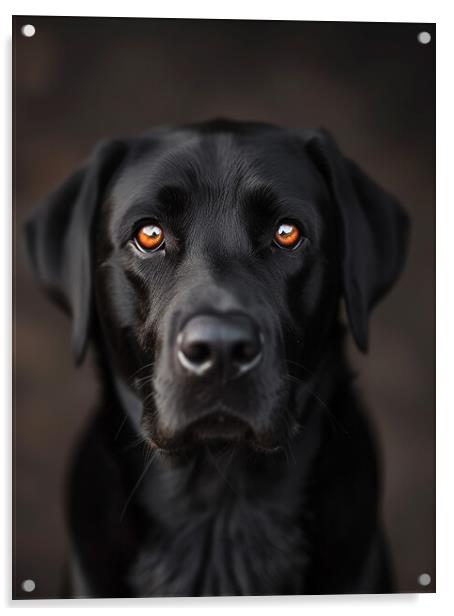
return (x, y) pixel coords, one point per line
(372, 85)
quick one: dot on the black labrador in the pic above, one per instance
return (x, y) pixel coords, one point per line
(229, 454)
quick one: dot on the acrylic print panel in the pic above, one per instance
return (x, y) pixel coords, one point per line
(224, 348)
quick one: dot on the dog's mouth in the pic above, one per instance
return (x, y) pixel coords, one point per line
(216, 430)
(219, 427)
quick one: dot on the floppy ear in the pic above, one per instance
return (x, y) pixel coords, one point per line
(58, 237)
(374, 232)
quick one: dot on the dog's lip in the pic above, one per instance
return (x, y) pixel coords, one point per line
(217, 428)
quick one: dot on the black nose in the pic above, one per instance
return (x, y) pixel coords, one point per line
(227, 345)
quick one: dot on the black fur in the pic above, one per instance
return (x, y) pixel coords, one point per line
(290, 504)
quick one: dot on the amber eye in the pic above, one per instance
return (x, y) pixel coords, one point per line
(149, 237)
(287, 235)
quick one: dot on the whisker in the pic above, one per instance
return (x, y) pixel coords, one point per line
(133, 491)
(292, 453)
(135, 443)
(148, 453)
(333, 418)
(285, 452)
(120, 427)
(150, 395)
(299, 365)
(145, 367)
(221, 475)
(143, 379)
(288, 440)
(229, 461)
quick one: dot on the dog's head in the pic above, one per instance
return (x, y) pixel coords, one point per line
(210, 261)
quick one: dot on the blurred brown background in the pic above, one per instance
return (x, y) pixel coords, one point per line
(372, 85)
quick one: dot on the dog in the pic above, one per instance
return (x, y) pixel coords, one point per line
(230, 454)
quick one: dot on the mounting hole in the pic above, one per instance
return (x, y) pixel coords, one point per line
(28, 585)
(424, 579)
(424, 38)
(28, 30)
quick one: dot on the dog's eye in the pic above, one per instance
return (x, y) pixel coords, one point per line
(287, 235)
(149, 237)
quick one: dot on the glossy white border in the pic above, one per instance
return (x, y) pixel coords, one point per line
(347, 10)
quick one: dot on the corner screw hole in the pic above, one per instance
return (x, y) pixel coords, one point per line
(28, 585)
(424, 38)
(424, 579)
(28, 30)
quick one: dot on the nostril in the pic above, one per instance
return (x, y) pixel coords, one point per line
(197, 352)
(244, 352)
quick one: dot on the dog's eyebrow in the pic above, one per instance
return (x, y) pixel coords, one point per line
(169, 202)
(173, 198)
(264, 198)
(261, 199)
(264, 203)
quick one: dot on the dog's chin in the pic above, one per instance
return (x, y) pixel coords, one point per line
(217, 431)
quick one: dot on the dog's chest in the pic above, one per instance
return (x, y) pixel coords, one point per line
(240, 545)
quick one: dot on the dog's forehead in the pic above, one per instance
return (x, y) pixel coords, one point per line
(219, 162)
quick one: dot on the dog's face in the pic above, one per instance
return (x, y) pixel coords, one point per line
(213, 258)
(216, 265)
